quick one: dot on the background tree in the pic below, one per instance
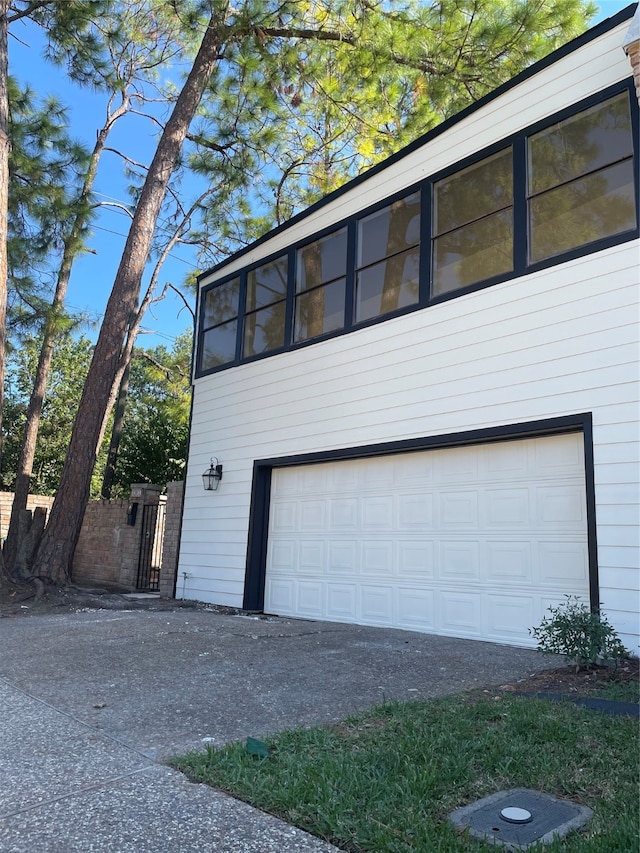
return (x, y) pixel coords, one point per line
(65, 23)
(45, 169)
(247, 63)
(135, 43)
(316, 114)
(58, 544)
(5, 148)
(153, 446)
(68, 373)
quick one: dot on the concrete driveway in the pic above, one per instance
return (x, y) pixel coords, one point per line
(93, 703)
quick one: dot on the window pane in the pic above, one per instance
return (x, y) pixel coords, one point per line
(586, 142)
(483, 188)
(388, 286)
(319, 311)
(322, 261)
(218, 346)
(266, 284)
(473, 253)
(264, 330)
(593, 207)
(221, 303)
(392, 229)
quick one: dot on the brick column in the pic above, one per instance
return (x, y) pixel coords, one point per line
(173, 518)
(145, 494)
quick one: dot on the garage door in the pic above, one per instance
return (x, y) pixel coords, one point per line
(473, 541)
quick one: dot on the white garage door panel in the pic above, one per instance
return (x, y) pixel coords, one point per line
(471, 542)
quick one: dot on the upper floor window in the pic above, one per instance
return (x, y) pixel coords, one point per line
(321, 269)
(473, 224)
(388, 265)
(580, 179)
(219, 325)
(265, 308)
(543, 196)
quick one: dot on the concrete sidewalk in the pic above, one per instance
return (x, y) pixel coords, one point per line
(93, 703)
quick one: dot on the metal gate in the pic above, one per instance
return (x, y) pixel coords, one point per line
(151, 539)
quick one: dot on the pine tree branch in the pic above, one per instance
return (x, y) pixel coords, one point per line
(198, 139)
(127, 159)
(184, 299)
(332, 35)
(28, 10)
(168, 371)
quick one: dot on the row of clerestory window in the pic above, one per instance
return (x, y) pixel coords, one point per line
(578, 189)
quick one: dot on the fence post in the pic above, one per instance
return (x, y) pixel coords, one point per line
(171, 539)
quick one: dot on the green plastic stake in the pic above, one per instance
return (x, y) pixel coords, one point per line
(257, 747)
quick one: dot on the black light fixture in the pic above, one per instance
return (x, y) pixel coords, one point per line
(212, 476)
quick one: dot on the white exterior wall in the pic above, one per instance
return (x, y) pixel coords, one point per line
(557, 342)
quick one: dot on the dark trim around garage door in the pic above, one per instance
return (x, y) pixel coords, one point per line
(255, 574)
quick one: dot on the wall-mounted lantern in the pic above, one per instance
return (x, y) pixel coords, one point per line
(212, 476)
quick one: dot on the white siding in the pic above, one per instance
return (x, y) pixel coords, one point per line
(557, 342)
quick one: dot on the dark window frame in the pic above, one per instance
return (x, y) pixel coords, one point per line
(535, 194)
(285, 299)
(299, 295)
(437, 235)
(521, 265)
(388, 202)
(203, 328)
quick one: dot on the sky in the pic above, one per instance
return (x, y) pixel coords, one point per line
(94, 272)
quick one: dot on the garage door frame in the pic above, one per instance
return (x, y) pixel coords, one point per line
(256, 566)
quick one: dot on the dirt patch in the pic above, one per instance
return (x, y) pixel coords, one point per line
(21, 600)
(567, 682)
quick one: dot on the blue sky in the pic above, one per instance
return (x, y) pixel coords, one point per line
(93, 274)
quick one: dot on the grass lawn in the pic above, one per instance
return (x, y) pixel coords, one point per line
(628, 692)
(386, 780)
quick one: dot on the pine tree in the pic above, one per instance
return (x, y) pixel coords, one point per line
(135, 43)
(259, 64)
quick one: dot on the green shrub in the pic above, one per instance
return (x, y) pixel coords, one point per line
(575, 631)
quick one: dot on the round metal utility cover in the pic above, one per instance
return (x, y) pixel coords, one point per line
(513, 814)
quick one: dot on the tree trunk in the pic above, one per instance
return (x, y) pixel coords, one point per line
(116, 434)
(5, 148)
(31, 527)
(34, 410)
(54, 556)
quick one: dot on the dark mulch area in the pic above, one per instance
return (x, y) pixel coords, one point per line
(567, 682)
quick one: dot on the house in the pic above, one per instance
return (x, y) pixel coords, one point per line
(423, 390)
